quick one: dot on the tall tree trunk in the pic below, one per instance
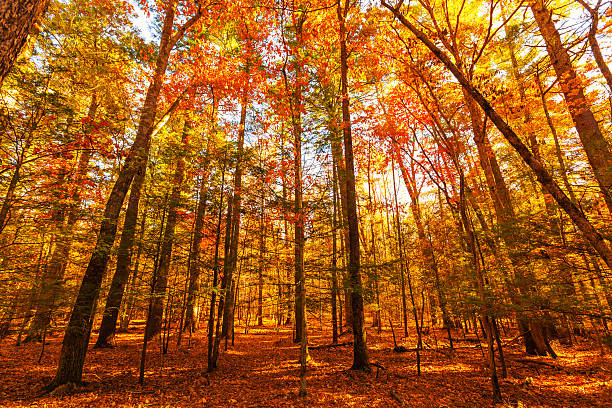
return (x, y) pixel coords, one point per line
(76, 337)
(198, 233)
(480, 283)
(295, 105)
(361, 360)
(400, 252)
(124, 254)
(124, 260)
(17, 19)
(126, 317)
(262, 259)
(377, 317)
(334, 263)
(211, 362)
(424, 243)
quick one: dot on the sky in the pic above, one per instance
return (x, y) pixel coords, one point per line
(141, 21)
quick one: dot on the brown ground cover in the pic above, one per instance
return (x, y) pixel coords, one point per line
(261, 370)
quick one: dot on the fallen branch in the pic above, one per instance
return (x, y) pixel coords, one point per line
(325, 346)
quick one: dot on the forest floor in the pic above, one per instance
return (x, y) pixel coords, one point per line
(261, 370)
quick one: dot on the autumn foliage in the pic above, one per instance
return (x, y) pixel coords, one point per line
(350, 203)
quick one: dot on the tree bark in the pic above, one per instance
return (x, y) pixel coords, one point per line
(17, 20)
(361, 359)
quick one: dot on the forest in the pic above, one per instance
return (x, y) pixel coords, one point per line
(277, 203)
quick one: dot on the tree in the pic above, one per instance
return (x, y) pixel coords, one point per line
(360, 351)
(76, 338)
(17, 19)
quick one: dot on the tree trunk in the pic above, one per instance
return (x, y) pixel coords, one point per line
(508, 225)
(198, 233)
(377, 318)
(76, 337)
(360, 352)
(211, 362)
(262, 260)
(232, 233)
(17, 19)
(334, 263)
(124, 260)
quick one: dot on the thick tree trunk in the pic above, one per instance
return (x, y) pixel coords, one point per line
(17, 21)
(126, 243)
(76, 337)
(124, 260)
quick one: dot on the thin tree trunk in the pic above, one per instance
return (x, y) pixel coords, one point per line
(198, 233)
(334, 263)
(361, 359)
(231, 237)
(211, 363)
(594, 44)
(400, 252)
